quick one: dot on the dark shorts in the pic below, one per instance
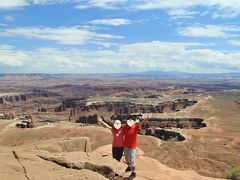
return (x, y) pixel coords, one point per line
(117, 153)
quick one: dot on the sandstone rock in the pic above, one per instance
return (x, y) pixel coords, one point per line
(105, 166)
(194, 123)
(28, 123)
(23, 164)
(25, 96)
(65, 145)
(79, 107)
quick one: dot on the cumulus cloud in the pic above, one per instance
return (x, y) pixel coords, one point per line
(212, 31)
(13, 4)
(10, 4)
(113, 22)
(11, 57)
(221, 8)
(62, 35)
(155, 55)
(105, 4)
(181, 13)
(234, 42)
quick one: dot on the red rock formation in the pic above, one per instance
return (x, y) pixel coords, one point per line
(186, 123)
(25, 96)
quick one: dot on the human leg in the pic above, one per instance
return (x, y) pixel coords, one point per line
(114, 152)
(127, 158)
(120, 153)
(117, 153)
(132, 163)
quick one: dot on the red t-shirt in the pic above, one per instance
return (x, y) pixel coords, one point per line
(118, 137)
(130, 134)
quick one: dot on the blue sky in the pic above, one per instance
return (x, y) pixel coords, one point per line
(112, 36)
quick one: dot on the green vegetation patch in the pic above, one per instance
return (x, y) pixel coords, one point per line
(234, 173)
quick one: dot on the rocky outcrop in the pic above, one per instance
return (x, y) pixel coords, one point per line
(82, 113)
(153, 96)
(78, 106)
(60, 108)
(26, 121)
(186, 123)
(65, 145)
(105, 166)
(6, 116)
(88, 119)
(154, 127)
(42, 110)
(11, 98)
(24, 164)
(25, 124)
(164, 134)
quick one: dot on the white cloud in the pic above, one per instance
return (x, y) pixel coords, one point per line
(181, 13)
(46, 2)
(155, 55)
(62, 35)
(105, 4)
(11, 57)
(221, 8)
(212, 31)
(113, 22)
(9, 18)
(234, 42)
(8, 4)
(224, 8)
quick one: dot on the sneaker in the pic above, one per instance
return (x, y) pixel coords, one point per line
(132, 176)
(128, 169)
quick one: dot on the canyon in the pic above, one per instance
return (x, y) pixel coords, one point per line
(55, 124)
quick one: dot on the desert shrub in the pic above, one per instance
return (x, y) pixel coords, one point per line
(234, 173)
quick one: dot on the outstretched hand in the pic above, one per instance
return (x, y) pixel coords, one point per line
(145, 119)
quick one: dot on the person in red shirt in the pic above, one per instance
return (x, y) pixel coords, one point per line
(118, 139)
(130, 131)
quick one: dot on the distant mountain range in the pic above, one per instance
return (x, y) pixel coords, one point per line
(175, 74)
(154, 74)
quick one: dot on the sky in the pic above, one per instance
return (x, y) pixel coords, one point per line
(119, 36)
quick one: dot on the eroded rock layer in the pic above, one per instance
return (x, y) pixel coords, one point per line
(193, 123)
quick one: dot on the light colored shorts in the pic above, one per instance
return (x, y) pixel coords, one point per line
(130, 156)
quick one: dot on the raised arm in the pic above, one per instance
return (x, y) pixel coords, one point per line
(106, 123)
(145, 120)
